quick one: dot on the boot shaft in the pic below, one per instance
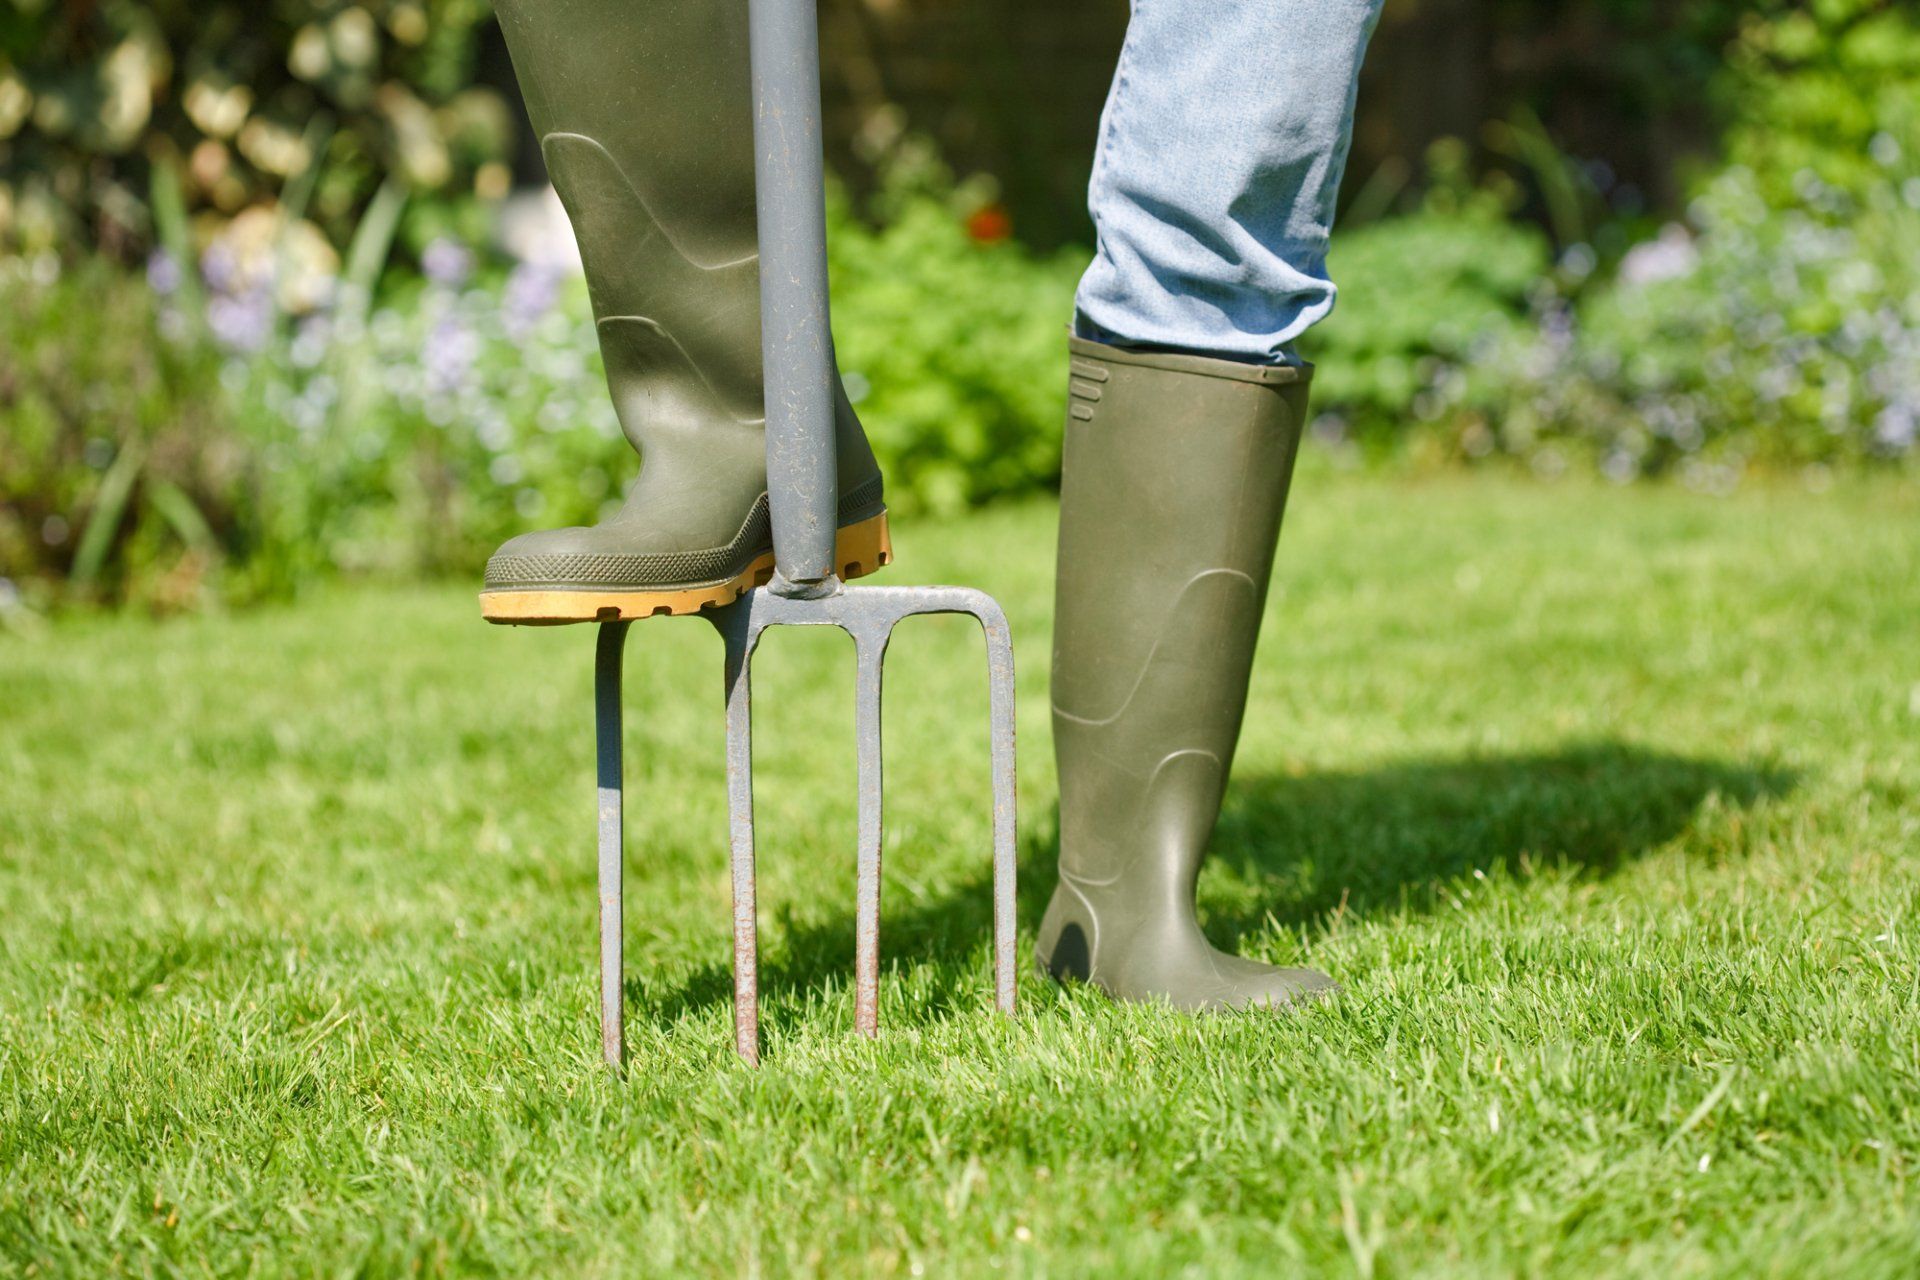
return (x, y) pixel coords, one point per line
(644, 113)
(1175, 481)
(664, 88)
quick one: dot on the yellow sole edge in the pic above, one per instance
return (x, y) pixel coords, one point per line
(858, 549)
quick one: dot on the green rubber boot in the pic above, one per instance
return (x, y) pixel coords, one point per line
(1176, 475)
(644, 113)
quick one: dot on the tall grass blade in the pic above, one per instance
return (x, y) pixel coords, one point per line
(108, 506)
(373, 239)
(298, 193)
(173, 505)
(172, 231)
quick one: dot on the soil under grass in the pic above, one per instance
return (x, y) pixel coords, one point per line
(1604, 805)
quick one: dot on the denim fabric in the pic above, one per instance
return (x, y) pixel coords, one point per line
(1220, 154)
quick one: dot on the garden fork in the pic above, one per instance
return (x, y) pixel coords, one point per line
(803, 490)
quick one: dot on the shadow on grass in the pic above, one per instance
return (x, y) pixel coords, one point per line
(1379, 839)
(1309, 845)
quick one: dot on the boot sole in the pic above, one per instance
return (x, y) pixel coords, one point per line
(858, 550)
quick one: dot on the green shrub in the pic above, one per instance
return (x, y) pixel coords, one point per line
(1753, 336)
(165, 447)
(311, 102)
(1423, 299)
(121, 473)
(1779, 325)
(1781, 337)
(242, 428)
(953, 348)
(1826, 92)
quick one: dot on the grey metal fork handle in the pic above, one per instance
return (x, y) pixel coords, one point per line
(796, 337)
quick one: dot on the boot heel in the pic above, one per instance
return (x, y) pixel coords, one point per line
(864, 547)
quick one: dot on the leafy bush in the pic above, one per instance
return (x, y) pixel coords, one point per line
(1782, 337)
(167, 447)
(1756, 335)
(953, 342)
(1778, 326)
(1781, 324)
(312, 102)
(1424, 298)
(416, 437)
(120, 472)
(1817, 92)
(236, 424)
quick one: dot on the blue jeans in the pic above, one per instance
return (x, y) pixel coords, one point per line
(1220, 154)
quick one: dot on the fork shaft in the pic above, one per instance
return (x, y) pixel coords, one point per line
(796, 342)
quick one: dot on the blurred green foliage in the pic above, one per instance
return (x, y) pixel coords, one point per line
(951, 344)
(120, 472)
(192, 436)
(312, 101)
(267, 406)
(1817, 88)
(1777, 334)
(1772, 328)
(1776, 324)
(1423, 297)
(164, 456)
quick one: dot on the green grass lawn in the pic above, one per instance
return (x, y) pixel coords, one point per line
(1604, 804)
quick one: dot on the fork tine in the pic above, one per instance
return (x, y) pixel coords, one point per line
(746, 962)
(870, 648)
(868, 614)
(1005, 799)
(609, 649)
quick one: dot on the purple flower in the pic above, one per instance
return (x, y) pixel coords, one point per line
(1329, 429)
(1896, 428)
(241, 322)
(531, 291)
(1557, 328)
(451, 351)
(1669, 256)
(1620, 466)
(163, 273)
(447, 262)
(1579, 260)
(220, 268)
(310, 341)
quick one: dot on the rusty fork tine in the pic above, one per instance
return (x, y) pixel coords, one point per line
(870, 648)
(741, 637)
(609, 650)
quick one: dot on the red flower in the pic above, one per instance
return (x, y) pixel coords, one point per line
(989, 223)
